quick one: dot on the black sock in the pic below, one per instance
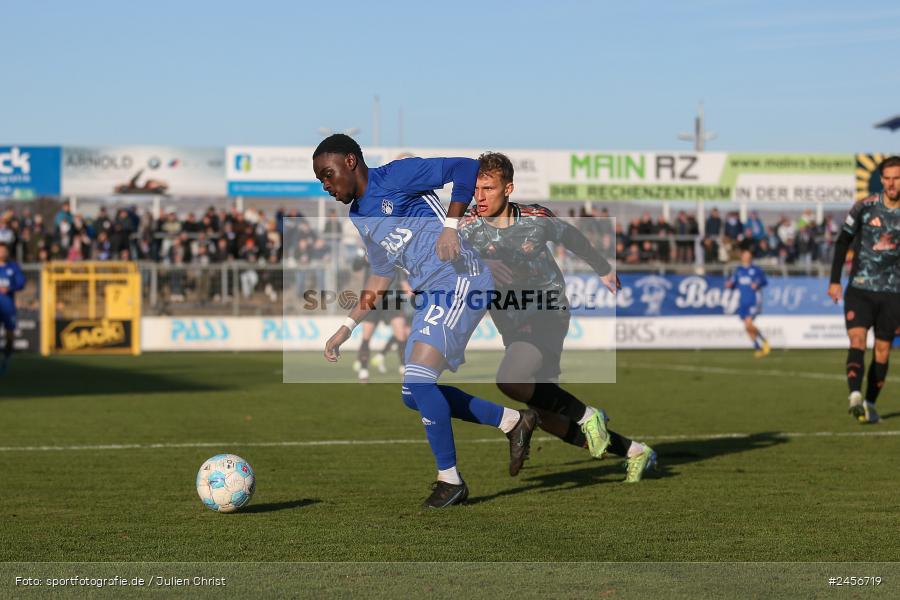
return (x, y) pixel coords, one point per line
(390, 344)
(8, 348)
(574, 435)
(401, 351)
(877, 375)
(550, 396)
(618, 444)
(363, 354)
(855, 365)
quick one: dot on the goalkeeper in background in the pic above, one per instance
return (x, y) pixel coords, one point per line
(512, 240)
(11, 281)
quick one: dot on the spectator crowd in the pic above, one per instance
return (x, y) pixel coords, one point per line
(219, 236)
(786, 241)
(216, 236)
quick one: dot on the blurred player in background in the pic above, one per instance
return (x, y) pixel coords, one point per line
(749, 280)
(512, 239)
(398, 318)
(11, 281)
(872, 297)
(404, 225)
(388, 311)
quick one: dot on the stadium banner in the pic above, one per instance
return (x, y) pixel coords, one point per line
(586, 175)
(276, 334)
(651, 295)
(28, 172)
(284, 171)
(143, 170)
(269, 333)
(868, 177)
(719, 332)
(625, 175)
(92, 335)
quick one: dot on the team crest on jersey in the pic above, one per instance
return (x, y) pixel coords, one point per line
(876, 222)
(387, 207)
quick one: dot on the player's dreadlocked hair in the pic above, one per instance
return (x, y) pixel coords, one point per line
(491, 162)
(890, 161)
(338, 143)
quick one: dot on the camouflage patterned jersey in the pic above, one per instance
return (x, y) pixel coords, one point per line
(523, 248)
(876, 241)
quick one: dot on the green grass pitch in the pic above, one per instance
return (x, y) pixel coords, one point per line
(760, 462)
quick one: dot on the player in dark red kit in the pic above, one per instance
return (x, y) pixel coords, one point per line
(513, 239)
(872, 297)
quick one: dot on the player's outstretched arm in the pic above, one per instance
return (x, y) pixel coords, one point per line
(576, 241)
(374, 288)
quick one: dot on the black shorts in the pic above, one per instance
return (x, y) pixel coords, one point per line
(545, 331)
(864, 308)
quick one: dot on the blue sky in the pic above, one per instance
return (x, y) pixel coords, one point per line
(779, 76)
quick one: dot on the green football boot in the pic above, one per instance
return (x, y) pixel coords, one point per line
(594, 429)
(640, 464)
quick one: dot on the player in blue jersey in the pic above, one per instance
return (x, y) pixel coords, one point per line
(749, 280)
(404, 225)
(11, 281)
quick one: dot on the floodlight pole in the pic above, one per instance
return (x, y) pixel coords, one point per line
(376, 121)
(699, 138)
(700, 135)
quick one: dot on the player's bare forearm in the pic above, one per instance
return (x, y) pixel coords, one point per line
(372, 290)
(448, 247)
(456, 210)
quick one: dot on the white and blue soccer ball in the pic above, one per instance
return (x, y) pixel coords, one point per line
(225, 483)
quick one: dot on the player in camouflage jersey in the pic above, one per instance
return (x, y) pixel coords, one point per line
(872, 297)
(512, 239)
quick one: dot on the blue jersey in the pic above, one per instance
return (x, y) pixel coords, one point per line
(400, 218)
(744, 279)
(11, 280)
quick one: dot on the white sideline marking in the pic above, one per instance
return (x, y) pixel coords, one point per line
(732, 371)
(494, 440)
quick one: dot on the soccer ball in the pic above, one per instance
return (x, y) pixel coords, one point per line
(225, 483)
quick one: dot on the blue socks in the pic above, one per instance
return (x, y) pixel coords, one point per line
(437, 404)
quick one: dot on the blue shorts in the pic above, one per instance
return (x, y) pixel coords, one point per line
(749, 310)
(448, 313)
